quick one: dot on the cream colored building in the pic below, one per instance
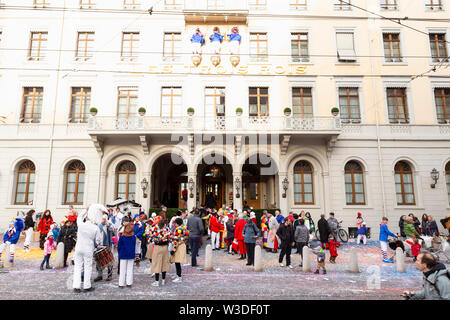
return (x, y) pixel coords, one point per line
(60, 58)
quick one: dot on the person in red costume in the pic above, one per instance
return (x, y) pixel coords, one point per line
(239, 237)
(44, 227)
(216, 226)
(333, 248)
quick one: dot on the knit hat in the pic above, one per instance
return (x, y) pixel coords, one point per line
(153, 214)
(136, 215)
(359, 214)
(50, 234)
(252, 215)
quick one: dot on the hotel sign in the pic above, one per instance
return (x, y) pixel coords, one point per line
(267, 69)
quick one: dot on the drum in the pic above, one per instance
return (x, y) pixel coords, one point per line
(103, 257)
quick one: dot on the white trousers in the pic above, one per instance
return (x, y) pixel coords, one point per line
(215, 240)
(28, 235)
(12, 248)
(196, 48)
(82, 259)
(126, 272)
(363, 237)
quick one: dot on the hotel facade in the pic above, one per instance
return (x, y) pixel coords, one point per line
(104, 99)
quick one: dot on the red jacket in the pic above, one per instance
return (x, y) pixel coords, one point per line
(214, 225)
(415, 248)
(44, 225)
(333, 248)
(238, 229)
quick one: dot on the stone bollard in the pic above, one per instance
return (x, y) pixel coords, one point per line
(59, 259)
(258, 259)
(354, 261)
(7, 256)
(400, 260)
(208, 258)
(306, 263)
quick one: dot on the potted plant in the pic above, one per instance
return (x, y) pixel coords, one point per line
(190, 112)
(334, 111)
(238, 112)
(287, 112)
(93, 111)
(141, 111)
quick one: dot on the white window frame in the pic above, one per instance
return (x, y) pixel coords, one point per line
(301, 30)
(355, 47)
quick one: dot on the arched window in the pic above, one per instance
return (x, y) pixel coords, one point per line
(74, 184)
(303, 183)
(447, 179)
(354, 183)
(404, 184)
(126, 180)
(25, 183)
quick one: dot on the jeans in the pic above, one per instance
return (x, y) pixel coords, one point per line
(46, 260)
(250, 253)
(194, 242)
(285, 250)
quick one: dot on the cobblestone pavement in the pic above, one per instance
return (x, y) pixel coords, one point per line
(231, 279)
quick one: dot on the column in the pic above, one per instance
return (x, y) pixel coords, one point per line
(284, 206)
(326, 192)
(102, 187)
(237, 202)
(147, 202)
(192, 194)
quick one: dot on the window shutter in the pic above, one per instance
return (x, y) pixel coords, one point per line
(345, 46)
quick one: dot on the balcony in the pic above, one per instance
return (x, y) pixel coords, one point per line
(215, 11)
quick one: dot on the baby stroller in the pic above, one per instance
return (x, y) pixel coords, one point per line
(440, 247)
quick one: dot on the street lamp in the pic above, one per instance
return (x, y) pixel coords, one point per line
(191, 187)
(144, 186)
(237, 185)
(285, 184)
(435, 177)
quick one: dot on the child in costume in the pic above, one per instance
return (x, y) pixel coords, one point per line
(384, 234)
(160, 235)
(333, 248)
(415, 248)
(49, 245)
(44, 227)
(11, 237)
(178, 250)
(320, 261)
(138, 231)
(362, 231)
(265, 228)
(126, 249)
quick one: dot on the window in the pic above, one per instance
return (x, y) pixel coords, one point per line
(404, 185)
(258, 47)
(354, 184)
(126, 180)
(299, 47)
(388, 4)
(25, 183)
(342, 5)
(215, 4)
(87, 3)
(258, 101)
(130, 4)
(302, 103)
(257, 4)
(215, 100)
(434, 5)
(438, 45)
(74, 184)
(345, 46)
(32, 104)
(172, 45)
(303, 183)
(38, 45)
(127, 102)
(171, 102)
(130, 42)
(80, 104)
(397, 105)
(349, 105)
(391, 43)
(442, 100)
(298, 4)
(447, 179)
(85, 44)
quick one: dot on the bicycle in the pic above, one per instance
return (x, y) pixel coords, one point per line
(342, 234)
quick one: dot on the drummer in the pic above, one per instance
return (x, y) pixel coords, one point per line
(107, 231)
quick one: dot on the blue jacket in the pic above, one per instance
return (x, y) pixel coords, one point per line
(362, 230)
(13, 238)
(126, 247)
(235, 37)
(216, 37)
(198, 38)
(384, 233)
(280, 219)
(138, 231)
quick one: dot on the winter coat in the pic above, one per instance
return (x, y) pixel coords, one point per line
(401, 226)
(239, 229)
(67, 236)
(44, 224)
(408, 229)
(436, 285)
(324, 230)
(55, 232)
(333, 224)
(333, 248)
(415, 248)
(309, 223)
(362, 231)
(29, 222)
(195, 227)
(250, 230)
(230, 230)
(49, 246)
(273, 227)
(126, 247)
(384, 233)
(88, 235)
(301, 234)
(215, 225)
(106, 232)
(12, 234)
(286, 234)
(433, 228)
(138, 230)
(425, 227)
(320, 256)
(416, 224)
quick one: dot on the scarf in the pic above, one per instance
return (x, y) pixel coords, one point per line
(128, 231)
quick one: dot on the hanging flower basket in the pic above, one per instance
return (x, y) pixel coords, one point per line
(238, 112)
(190, 112)
(93, 111)
(335, 111)
(141, 111)
(287, 112)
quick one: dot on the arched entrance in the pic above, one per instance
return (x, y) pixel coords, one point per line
(169, 182)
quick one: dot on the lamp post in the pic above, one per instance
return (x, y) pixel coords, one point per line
(285, 184)
(237, 185)
(144, 187)
(191, 187)
(435, 177)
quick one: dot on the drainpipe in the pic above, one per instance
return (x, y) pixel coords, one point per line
(380, 166)
(55, 104)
